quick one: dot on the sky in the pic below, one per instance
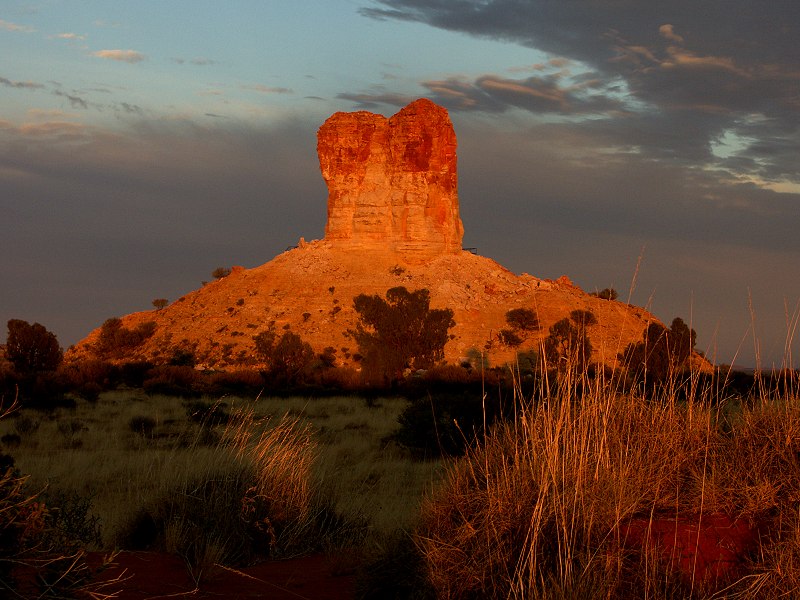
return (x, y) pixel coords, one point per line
(649, 147)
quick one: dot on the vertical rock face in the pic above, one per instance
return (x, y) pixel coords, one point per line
(392, 183)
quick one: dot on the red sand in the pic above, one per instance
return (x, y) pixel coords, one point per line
(706, 549)
(151, 576)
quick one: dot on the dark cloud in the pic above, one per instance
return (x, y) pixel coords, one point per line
(28, 85)
(540, 95)
(74, 101)
(199, 61)
(686, 74)
(549, 200)
(114, 220)
(371, 101)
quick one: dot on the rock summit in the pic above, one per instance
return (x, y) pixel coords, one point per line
(392, 183)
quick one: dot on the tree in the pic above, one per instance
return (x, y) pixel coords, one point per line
(220, 272)
(31, 348)
(509, 337)
(400, 332)
(661, 352)
(160, 303)
(287, 357)
(607, 294)
(522, 319)
(291, 356)
(568, 344)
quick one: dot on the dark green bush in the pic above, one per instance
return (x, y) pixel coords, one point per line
(32, 348)
(116, 340)
(446, 423)
(173, 380)
(399, 332)
(238, 383)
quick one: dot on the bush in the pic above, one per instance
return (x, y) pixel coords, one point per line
(662, 353)
(238, 383)
(399, 332)
(288, 358)
(522, 319)
(87, 378)
(567, 347)
(43, 540)
(173, 380)
(446, 423)
(116, 340)
(31, 348)
(607, 294)
(220, 272)
(256, 500)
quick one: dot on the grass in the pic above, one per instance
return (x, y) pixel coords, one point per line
(540, 508)
(130, 452)
(537, 509)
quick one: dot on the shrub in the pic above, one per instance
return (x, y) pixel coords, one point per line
(87, 378)
(509, 338)
(607, 294)
(116, 340)
(523, 319)
(399, 332)
(31, 348)
(42, 540)
(160, 303)
(567, 347)
(173, 380)
(290, 358)
(220, 272)
(255, 500)
(661, 354)
(446, 423)
(239, 383)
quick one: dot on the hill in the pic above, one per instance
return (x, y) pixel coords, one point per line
(393, 220)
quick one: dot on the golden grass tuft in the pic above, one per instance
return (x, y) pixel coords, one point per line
(537, 509)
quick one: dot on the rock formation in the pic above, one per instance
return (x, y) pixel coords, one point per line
(393, 198)
(392, 183)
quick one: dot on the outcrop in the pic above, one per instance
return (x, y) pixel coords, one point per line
(392, 183)
(393, 220)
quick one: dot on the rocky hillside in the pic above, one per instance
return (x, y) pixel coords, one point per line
(393, 220)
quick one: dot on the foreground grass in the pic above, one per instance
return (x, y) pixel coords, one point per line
(340, 481)
(539, 509)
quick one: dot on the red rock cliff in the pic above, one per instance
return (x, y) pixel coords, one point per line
(392, 183)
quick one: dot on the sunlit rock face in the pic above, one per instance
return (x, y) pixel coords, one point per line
(392, 183)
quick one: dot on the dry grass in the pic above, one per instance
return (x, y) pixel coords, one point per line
(536, 511)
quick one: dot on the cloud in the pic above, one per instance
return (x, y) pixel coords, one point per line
(9, 26)
(74, 101)
(264, 89)
(71, 36)
(372, 101)
(668, 32)
(187, 196)
(23, 85)
(668, 80)
(128, 56)
(200, 62)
